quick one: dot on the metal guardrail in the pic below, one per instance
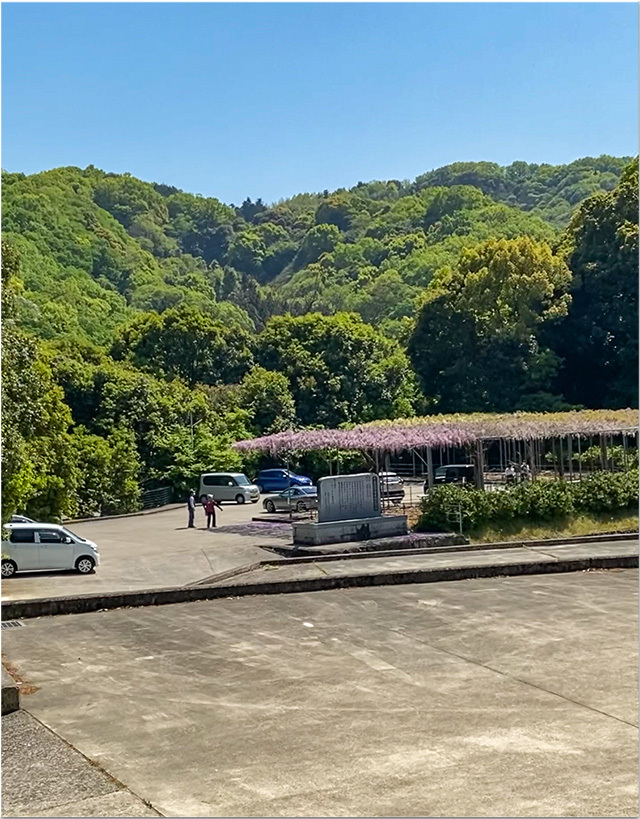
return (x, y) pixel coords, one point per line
(157, 497)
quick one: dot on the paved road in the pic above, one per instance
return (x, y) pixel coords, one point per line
(151, 551)
(495, 697)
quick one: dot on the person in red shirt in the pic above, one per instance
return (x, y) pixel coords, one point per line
(210, 511)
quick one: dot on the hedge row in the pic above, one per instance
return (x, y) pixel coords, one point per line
(537, 501)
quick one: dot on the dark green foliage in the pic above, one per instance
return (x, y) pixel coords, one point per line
(598, 341)
(475, 344)
(36, 474)
(184, 343)
(339, 368)
(537, 501)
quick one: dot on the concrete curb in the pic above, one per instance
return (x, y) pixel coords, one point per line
(154, 511)
(559, 541)
(10, 693)
(303, 559)
(47, 607)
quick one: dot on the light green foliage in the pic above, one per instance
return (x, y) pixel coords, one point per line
(267, 396)
(36, 474)
(319, 240)
(475, 345)
(548, 190)
(107, 473)
(537, 501)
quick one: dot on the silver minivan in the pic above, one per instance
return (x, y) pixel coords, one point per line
(228, 486)
(41, 546)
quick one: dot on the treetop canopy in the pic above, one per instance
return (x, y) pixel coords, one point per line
(449, 430)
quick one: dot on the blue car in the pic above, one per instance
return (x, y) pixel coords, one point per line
(275, 480)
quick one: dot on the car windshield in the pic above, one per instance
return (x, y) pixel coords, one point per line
(441, 470)
(242, 480)
(77, 537)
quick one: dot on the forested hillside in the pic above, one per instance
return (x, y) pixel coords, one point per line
(146, 328)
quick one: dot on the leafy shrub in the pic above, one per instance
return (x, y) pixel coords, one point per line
(603, 491)
(539, 500)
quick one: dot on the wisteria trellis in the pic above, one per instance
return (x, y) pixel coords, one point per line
(449, 430)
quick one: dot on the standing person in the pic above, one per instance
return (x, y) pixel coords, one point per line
(525, 471)
(210, 509)
(191, 506)
(510, 474)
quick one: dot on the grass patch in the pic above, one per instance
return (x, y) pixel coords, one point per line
(584, 524)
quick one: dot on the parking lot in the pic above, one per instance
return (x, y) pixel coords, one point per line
(152, 551)
(495, 697)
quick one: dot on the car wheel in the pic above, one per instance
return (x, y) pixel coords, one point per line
(240, 498)
(301, 507)
(271, 506)
(9, 568)
(85, 564)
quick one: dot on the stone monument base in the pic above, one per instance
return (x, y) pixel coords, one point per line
(348, 531)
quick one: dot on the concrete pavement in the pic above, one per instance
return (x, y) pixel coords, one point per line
(43, 776)
(277, 576)
(149, 551)
(494, 697)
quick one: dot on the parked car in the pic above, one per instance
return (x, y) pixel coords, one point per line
(41, 546)
(275, 480)
(453, 473)
(391, 486)
(228, 486)
(298, 498)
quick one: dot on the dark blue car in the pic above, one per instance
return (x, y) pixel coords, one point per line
(275, 480)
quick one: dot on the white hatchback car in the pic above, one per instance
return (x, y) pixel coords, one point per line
(35, 547)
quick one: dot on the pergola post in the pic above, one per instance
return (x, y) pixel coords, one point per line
(603, 453)
(560, 460)
(532, 459)
(580, 457)
(570, 456)
(429, 467)
(479, 465)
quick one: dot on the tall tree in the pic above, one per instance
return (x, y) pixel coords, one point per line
(475, 345)
(598, 341)
(339, 368)
(37, 470)
(185, 343)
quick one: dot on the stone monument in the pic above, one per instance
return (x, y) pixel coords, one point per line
(348, 510)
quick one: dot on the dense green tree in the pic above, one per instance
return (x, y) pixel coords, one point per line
(107, 473)
(267, 396)
(475, 345)
(598, 341)
(339, 368)
(184, 343)
(37, 475)
(319, 240)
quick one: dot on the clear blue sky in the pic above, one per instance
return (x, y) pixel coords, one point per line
(235, 100)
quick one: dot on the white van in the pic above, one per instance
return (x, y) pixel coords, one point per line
(228, 486)
(40, 546)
